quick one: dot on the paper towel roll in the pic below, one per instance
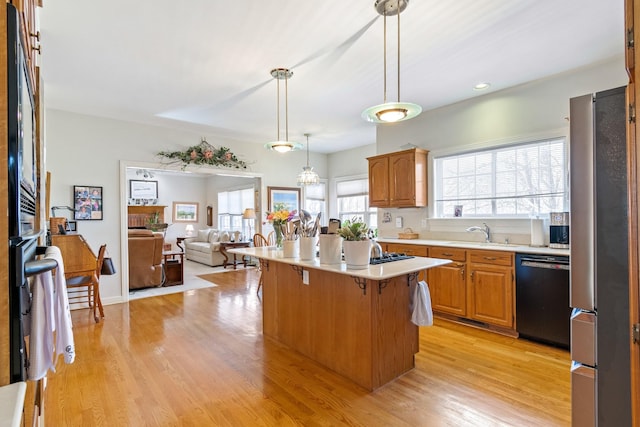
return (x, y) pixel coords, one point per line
(537, 232)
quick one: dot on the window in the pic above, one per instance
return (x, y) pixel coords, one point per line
(353, 201)
(231, 205)
(315, 201)
(520, 180)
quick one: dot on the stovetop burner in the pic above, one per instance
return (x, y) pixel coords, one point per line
(388, 257)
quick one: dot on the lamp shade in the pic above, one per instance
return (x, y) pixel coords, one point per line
(249, 213)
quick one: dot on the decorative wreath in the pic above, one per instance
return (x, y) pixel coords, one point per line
(204, 154)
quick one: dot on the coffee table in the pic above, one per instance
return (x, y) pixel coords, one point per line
(223, 250)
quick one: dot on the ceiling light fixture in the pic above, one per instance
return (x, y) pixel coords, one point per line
(280, 145)
(146, 173)
(482, 86)
(390, 112)
(308, 176)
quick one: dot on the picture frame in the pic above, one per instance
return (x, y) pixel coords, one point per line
(289, 196)
(87, 203)
(185, 212)
(143, 189)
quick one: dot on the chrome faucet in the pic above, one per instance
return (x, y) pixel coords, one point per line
(485, 230)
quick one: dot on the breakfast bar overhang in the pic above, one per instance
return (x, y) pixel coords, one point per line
(355, 322)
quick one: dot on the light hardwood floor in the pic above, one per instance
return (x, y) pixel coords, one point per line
(199, 359)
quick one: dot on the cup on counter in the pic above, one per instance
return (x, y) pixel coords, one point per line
(330, 249)
(290, 248)
(308, 247)
(457, 210)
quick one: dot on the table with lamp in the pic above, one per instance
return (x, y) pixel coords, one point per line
(189, 233)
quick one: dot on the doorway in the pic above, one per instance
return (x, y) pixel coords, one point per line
(197, 186)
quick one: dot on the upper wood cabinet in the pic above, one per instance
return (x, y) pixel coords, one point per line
(398, 180)
(30, 36)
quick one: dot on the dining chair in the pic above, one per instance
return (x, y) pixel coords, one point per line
(271, 238)
(91, 281)
(258, 241)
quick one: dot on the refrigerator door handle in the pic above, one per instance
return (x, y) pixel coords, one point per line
(583, 337)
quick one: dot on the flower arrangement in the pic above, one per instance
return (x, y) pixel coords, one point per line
(205, 154)
(278, 218)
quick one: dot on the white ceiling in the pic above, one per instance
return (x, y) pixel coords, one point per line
(204, 65)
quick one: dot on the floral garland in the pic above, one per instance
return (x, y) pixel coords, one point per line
(205, 154)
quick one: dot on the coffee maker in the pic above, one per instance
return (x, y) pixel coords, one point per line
(559, 230)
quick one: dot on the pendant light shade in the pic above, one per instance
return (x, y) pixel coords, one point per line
(282, 146)
(390, 112)
(308, 176)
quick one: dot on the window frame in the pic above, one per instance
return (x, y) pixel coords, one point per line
(439, 201)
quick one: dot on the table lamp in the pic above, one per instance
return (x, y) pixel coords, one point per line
(250, 214)
(189, 229)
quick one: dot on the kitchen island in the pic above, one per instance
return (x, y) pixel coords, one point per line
(355, 322)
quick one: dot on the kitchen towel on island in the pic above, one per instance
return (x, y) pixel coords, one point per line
(422, 315)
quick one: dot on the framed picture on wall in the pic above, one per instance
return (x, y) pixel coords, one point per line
(87, 202)
(143, 189)
(283, 198)
(185, 212)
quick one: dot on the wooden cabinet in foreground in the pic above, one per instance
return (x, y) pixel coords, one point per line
(398, 179)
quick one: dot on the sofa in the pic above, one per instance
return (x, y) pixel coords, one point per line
(145, 259)
(204, 247)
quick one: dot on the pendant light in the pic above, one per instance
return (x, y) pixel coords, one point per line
(308, 176)
(282, 146)
(390, 112)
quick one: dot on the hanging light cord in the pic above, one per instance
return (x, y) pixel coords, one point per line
(286, 105)
(307, 135)
(398, 52)
(278, 106)
(385, 56)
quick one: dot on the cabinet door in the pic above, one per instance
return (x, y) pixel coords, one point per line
(402, 185)
(448, 288)
(379, 181)
(490, 298)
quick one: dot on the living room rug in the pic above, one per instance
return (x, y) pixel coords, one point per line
(196, 276)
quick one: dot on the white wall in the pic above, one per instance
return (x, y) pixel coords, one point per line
(528, 112)
(88, 150)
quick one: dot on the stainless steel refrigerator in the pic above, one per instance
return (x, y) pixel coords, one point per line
(599, 296)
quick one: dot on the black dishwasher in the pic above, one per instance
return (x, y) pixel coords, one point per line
(542, 298)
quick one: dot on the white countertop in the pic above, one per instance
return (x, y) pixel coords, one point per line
(11, 404)
(372, 272)
(477, 245)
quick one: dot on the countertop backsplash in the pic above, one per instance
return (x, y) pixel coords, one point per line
(515, 230)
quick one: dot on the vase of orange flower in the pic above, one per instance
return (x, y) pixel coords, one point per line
(278, 219)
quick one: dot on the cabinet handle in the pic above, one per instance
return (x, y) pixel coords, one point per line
(446, 254)
(490, 258)
(36, 35)
(462, 272)
(472, 273)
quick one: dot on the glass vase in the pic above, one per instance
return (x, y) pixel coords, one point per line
(277, 228)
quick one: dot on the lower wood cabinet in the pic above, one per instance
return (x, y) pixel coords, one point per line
(448, 283)
(490, 291)
(477, 285)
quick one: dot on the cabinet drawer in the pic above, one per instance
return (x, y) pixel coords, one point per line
(413, 250)
(491, 257)
(454, 254)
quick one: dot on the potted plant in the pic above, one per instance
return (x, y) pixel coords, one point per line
(356, 245)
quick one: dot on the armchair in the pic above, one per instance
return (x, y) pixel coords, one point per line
(145, 259)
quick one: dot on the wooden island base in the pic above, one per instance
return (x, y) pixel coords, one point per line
(360, 328)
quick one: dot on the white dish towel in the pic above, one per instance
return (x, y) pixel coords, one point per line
(422, 315)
